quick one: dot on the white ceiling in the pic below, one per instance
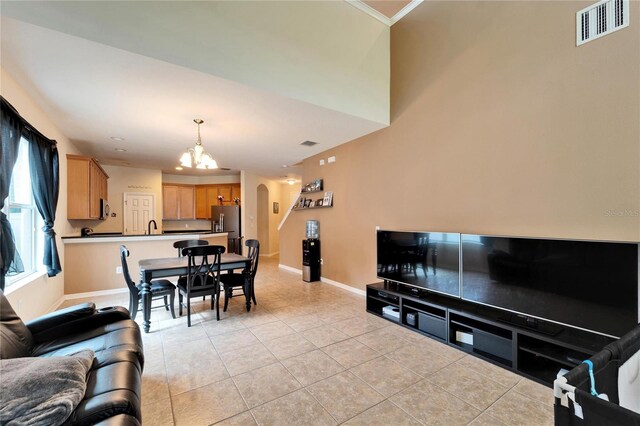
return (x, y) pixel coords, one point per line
(93, 91)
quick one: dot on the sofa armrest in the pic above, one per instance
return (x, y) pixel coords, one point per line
(98, 318)
(61, 317)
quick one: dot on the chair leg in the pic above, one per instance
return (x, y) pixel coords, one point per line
(227, 296)
(218, 302)
(212, 301)
(133, 306)
(179, 303)
(172, 299)
(188, 312)
(166, 305)
(253, 293)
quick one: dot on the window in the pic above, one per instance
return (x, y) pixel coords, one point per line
(23, 216)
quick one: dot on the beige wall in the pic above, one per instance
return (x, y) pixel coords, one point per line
(37, 297)
(249, 190)
(121, 180)
(92, 266)
(500, 125)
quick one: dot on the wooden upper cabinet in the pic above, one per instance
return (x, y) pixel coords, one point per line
(225, 192)
(178, 202)
(170, 202)
(207, 196)
(235, 192)
(201, 202)
(86, 185)
(187, 200)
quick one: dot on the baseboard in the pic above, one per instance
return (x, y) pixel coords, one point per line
(290, 269)
(326, 281)
(344, 286)
(270, 254)
(57, 304)
(95, 293)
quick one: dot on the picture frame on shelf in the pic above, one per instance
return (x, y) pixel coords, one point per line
(319, 202)
(307, 202)
(313, 186)
(328, 199)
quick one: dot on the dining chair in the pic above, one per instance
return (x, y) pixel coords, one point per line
(188, 243)
(159, 288)
(203, 277)
(245, 279)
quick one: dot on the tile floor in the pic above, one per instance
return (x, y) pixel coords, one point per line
(310, 354)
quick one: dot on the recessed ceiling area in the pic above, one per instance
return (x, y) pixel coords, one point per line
(107, 99)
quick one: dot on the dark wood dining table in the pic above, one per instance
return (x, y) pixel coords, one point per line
(177, 266)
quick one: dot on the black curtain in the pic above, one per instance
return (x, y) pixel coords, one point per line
(45, 182)
(11, 128)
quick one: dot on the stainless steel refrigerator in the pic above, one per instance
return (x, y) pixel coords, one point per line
(228, 218)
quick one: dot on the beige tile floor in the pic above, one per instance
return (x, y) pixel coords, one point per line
(310, 354)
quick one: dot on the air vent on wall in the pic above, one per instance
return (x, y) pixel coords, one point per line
(601, 19)
(309, 143)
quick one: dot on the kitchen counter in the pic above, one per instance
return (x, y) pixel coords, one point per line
(119, 237)
(93, 264)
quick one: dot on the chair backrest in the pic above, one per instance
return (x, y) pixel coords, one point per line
(253, 253)
(203, 261)
(124, 253)
(188, 243)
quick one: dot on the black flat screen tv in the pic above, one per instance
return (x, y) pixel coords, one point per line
(586, 284)
(429, 260)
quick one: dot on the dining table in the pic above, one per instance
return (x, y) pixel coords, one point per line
(178, 266)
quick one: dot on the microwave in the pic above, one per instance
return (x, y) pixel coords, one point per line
(105, 210)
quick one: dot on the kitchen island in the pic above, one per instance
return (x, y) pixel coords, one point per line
(92, 264)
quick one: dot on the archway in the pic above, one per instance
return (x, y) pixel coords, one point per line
(263, 218)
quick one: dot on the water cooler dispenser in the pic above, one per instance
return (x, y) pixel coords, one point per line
(311, 253)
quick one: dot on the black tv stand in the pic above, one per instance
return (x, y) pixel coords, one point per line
(533, 324)
(537, 350)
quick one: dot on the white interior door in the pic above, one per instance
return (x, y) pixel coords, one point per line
(139, 209)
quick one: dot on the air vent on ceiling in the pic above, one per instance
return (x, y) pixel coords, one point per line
(601, 19)
(309, 143)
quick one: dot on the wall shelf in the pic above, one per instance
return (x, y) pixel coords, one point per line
(310, 208)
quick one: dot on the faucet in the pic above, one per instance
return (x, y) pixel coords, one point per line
(155, 226)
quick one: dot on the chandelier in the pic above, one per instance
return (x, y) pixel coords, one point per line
(197, 155)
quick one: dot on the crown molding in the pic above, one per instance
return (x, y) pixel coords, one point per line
(403, 12)
(359, 4)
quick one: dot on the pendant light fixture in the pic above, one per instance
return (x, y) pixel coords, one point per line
(197, 156)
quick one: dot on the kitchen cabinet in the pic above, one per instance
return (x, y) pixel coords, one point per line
(207, 196)
(201, 202)
(235, 192)
(86, 186)
(178, 202)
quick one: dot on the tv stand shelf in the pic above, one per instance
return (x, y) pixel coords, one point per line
(486, 332)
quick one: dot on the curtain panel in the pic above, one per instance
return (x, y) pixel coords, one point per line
(11, 128)
(45, 183)
(44, 169)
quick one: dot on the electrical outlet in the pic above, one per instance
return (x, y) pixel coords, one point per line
(331, 159)
(118, 269)
(322, 162)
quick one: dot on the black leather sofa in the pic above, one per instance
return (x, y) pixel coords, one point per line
(113, 395)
